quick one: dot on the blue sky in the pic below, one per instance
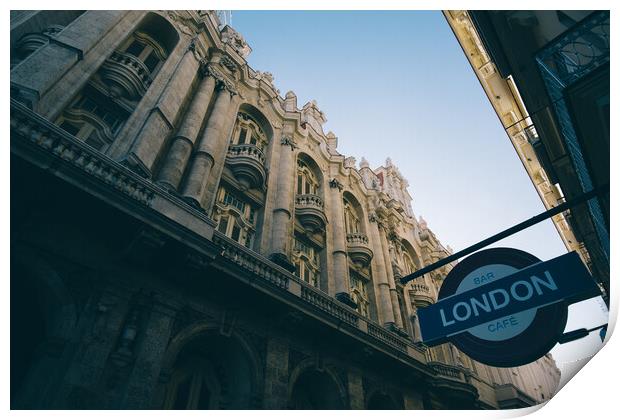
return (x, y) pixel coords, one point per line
(397, 84)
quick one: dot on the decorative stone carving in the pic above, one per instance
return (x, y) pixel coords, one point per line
(228, 62)
(288, 141)
(182, 20)
(422, 223)
(349, 162)
(236, 41)
(334, 183)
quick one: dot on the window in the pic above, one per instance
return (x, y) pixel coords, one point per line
(351, 220)
(359, 292)
(307, 261)
(237, 217)
(146, 49)
(248, 131)
(94, 119)
(306, 181)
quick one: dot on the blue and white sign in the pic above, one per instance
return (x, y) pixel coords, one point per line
(505, 306)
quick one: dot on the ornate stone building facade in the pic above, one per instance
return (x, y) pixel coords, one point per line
(182, 236)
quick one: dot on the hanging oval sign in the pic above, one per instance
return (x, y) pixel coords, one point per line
(504, 307)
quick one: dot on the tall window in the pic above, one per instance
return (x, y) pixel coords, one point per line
(237, 218)
(93, 118)
(306, 181)
(247, 131)
(359, 292)
(307, 261)
(146, 49)
(408, 262)
(351, 221)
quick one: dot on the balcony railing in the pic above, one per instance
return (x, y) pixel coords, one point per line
(358, 249)
(247, 163)
(328, 304)
(357, 239)
(578, 51)
(126, 75)
(421, 294)
(570, 57)
(310, 211)
(247, 150)
(309, 200)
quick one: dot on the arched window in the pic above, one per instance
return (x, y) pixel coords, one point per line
(146, 49)
(409, 265)
(359, 292)
(93, 118)
(306, 180)
(248, 131)
(351, 219)
(212, 371)
(100, 109)
(307, 261)
(236, 217)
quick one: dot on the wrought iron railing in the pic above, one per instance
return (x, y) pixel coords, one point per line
(568, 58)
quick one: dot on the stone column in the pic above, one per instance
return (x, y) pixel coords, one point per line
(390, 277)
(183, 143)
(209, 148)
(276, 374)
(339, 261)
(384, 303)
(150, 140)
(282, 214)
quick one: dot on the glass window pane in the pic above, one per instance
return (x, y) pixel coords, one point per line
(135, 48)
(235, 233)
(151, 62)
(242, 135)
(70, 128)
(223, 226)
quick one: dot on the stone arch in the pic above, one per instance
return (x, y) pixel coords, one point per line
(260, 119)
(160, 29)
(43, 318)
(223, 370)
(310, 162)
(313, 387)
(412, 253)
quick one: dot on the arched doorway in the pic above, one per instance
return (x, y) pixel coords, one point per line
(212, 372)
(382, 401)
(316, 390)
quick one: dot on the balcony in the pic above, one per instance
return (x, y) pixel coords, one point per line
(421, 294)
(126, 76)
(247, 163)
(309, 209)
(358, 249)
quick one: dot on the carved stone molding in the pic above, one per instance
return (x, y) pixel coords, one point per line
(228, 62)
(334, 183)
(288, 141)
